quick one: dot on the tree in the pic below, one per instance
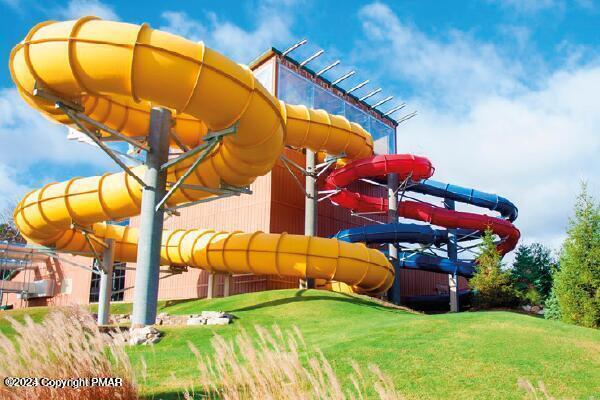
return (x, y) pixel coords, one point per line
(532, 272)
(577, 284)
(551, 307)
(9, 231)
(493, 287)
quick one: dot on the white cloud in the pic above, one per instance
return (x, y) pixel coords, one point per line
(488, 125)
(530, 6)
(273, 25)
(29, 140)
(14, 4)
(12, 188)
(81, 8)
(459, 63)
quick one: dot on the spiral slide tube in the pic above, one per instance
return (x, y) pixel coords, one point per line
(413, 233)
(117, 71)
(417, 168)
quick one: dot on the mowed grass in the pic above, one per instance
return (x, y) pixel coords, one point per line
(470, 355)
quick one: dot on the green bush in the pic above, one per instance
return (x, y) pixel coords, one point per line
(493, 287)
(551, 307)
(577, 284)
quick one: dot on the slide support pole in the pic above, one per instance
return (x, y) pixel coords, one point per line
(212, 283)
(394, 291)
(106, 282)
(310, 207)
(452, 255)
(226, 285)
(151, 220)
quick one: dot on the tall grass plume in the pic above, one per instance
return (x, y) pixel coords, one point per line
(279, 365)
(66, 345)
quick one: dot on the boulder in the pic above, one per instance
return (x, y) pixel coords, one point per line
(144, 335)
(196, 321)
(216, 314)
(218, 321)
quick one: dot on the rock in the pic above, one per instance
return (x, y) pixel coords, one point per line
(535, 309)
(527, 308)
(144, 335)
(218, 321)
(162, 315)
(154, 340)
(136, 340)
(213, 314)
(196, 321)
(540, 312)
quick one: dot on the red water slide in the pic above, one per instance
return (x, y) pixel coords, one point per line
(414, 168)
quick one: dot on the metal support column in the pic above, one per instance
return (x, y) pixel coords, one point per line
(394, 291)
(151, 220)
(226, 285)
(106, 282)
(210, 292)
(452, 255)
(310, 207)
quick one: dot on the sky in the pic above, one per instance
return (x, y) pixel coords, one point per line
(507, 91)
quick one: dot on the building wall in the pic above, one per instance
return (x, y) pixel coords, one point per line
(71, 284)
(242, 213)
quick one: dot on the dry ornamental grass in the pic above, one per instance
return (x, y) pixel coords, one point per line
(66, 345)
(276, 366)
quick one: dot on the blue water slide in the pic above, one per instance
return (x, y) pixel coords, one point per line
(465, 195)
(427, 262)
(401, 233)
(425, 234)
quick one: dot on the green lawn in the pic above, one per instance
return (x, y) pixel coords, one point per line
(470, 355)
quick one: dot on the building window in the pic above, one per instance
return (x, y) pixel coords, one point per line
(264, 74)
(328, 102)
(118, 283)
(295, 89)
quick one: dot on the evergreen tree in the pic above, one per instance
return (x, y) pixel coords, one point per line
(493, 286)
(551, 307)
(577, 284)
(532, 272)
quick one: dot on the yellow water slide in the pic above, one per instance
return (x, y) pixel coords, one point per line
(117, 72)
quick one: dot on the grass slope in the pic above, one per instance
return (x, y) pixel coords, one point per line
(470, 355)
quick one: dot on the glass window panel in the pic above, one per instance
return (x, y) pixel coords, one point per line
(360, 117)
(264, 74)
(294, 89)
(328, 101)
(383, 137)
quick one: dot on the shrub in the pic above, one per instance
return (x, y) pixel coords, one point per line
(492, 286)
(279, 366)
(577, 284)
(551, 307)
(66, 345)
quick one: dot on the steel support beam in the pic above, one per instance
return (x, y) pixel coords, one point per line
(212, 283)
(452, 255)
(310, 206)
(106, 282)
(226, 285)
(394, 291)
(151, 220)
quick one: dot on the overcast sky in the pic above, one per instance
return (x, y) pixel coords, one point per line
(507, 91)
